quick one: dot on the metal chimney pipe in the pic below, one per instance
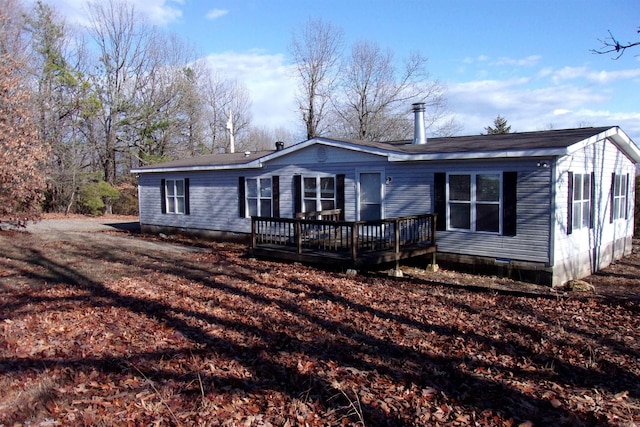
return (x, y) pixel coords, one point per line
(419, 133)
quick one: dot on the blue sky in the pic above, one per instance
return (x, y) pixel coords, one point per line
(527, 60)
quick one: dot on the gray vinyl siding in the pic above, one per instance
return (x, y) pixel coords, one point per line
(531, 242)
(214, 200)
(410, 191)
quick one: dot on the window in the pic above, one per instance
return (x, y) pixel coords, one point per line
(581, 201)
(175, 198)
(619, 197)
(259, 197)
(474, 202)
(319, 193)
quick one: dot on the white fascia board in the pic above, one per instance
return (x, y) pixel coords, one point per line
(256, 164)
(359, 148)
(328, 142)
(617, 136)
(626, 144)
(478, 155)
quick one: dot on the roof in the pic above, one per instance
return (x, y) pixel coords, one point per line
(512, 145)
(208, 161)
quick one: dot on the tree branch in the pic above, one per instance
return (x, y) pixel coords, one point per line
(611, 44)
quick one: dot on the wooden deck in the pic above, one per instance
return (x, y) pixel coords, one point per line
(343, 243)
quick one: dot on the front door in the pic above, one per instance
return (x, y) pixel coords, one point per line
(370, 196)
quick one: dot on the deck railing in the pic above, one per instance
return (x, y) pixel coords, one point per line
(343, 237)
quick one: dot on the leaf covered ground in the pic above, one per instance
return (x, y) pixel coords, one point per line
(100, 330)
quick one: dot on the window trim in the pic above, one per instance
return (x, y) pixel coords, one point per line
(619, 194)
(571, 210)
(175, 197)
(258, 197)
(318, 190)
(473, 201)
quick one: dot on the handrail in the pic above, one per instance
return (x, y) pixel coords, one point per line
(350, 238)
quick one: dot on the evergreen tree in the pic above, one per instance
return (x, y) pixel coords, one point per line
(499, 126)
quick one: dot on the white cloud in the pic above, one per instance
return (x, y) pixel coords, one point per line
(472, 60)
(269, 81)
(159, 12)
(611, 76)
(529, 61)
(602, 76)
(535, 104)
(216, 13)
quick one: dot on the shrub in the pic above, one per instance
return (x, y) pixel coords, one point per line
(94, 197)
(127, 203)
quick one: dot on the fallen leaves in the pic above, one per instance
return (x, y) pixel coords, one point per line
(218, 339)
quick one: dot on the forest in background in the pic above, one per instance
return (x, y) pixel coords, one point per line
(83, 105)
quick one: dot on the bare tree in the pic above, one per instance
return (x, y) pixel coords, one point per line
(123, 41)
(375, 97)
(611, 44)
(156, 124)
(223, 97)
(316, 52)
(263, 138)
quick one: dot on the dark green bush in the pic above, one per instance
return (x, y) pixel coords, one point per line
(94, 197)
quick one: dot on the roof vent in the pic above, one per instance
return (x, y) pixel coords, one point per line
(279, 145)
(419, 134)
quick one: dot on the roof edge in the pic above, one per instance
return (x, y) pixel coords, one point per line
(617, 136)
(254, 164)
(547, 152)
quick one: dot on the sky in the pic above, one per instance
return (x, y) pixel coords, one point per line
(529, 61)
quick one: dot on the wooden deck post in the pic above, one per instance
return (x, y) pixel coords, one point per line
(396, 241)
(254, 242)
(298, 234)
(354, 241)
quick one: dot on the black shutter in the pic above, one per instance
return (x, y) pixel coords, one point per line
(297, 194)
(570, 204)
(275, 195)
(187, 210)
(612, 197)
(163, 196)
(626, 200)
(509, 203)
(440, 199)
(340, 195)
(242, 207)
(592, 201)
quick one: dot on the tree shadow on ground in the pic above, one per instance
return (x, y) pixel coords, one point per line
(332, 348)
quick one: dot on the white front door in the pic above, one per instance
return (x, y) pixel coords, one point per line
(370, 196)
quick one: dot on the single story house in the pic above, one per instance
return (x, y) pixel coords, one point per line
(556, 202)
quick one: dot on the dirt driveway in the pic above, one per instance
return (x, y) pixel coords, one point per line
(116, 233)
(112, 231)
